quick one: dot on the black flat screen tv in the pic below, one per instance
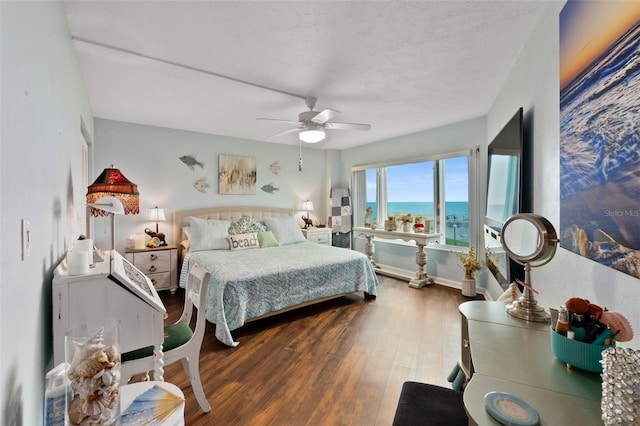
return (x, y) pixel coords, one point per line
(505, 191)
(509, 189)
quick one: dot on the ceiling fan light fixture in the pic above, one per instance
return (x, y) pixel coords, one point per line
(312, 136)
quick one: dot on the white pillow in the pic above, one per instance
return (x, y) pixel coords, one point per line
(285, 229)
(208, 234)
(243, 241)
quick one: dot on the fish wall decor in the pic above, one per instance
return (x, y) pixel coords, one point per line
(191, 162)
(201, 185)
(274, 167)
(269, 189)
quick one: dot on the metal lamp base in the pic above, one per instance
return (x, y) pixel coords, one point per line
(528, 309)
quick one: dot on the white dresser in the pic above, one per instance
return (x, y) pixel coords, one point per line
(114, 288)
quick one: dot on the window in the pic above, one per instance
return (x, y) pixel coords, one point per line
(432, 191)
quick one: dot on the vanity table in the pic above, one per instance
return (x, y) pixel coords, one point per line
(506, 354)
(421, 279)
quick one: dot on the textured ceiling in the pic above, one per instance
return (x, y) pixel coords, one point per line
(400, 66)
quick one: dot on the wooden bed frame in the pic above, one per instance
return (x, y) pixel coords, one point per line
(181, 219)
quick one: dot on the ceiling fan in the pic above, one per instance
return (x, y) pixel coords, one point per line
(312, 124)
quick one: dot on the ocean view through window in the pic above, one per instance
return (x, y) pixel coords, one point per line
(434, 193)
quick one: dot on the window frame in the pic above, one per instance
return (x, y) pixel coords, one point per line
(359, 190)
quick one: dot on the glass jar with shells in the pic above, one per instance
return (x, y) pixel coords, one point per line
(92, 352)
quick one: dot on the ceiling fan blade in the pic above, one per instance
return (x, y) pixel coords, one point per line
(347, 126)
(325, 115)
(297, 129)
(281, 121)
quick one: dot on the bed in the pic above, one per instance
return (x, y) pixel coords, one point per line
(257, 272)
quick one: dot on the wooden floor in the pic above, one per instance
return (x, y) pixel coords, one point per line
(341, 362)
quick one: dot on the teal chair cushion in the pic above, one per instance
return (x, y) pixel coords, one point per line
(174, 335)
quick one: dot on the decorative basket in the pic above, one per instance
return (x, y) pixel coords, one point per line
(585, 356)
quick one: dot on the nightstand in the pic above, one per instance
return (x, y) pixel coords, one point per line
(318, 235)
(160, 264)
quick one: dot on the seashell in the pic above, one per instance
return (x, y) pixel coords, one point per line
(115, 373)
(107, 378)
(95, 404)
(74, 412)
(88, 368)
(82, 385)
(112, 353)
(113, 396)
(101, 356)
(82, 349)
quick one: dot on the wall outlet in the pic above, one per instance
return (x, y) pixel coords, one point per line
(26, 238)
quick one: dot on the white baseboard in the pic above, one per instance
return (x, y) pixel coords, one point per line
(405, 275)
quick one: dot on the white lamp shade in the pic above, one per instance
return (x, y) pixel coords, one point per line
(109, 205)
(156, 215)
(312, 136)
(307, 205)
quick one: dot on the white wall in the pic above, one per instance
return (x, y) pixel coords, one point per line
(465, 135)
(43, 100)
(149, 157)
(534, 84)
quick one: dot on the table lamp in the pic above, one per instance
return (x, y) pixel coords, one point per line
(308, 206)
(156, 215)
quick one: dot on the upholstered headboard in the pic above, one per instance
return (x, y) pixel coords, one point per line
(181, 218)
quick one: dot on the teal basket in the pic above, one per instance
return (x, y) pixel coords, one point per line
(585, 356)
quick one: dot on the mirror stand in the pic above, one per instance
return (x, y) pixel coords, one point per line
(526, 307)
(530, 240)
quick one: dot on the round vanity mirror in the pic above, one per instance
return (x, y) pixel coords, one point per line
(527, 237)
(530, 240)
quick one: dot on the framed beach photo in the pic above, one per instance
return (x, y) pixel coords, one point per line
(600, 132)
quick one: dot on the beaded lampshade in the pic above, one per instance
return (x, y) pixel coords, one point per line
(112, 183)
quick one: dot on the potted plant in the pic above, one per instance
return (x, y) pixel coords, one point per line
(470, 265)
(407, 223)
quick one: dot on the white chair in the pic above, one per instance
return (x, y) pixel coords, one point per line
(180, 343)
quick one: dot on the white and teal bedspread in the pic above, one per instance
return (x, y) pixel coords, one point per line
(249, 283)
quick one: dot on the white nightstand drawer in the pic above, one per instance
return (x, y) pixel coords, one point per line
(318, 235)
(161, 281)
(149, 263)
(320, 238)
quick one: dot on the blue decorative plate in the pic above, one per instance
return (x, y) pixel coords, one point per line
(510, 410)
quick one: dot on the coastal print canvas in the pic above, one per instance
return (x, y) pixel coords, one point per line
(600, 132)
(236, 175)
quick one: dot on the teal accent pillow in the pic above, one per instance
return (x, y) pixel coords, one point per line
(267, 239)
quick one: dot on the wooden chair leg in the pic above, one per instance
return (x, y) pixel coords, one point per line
(191, 365)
